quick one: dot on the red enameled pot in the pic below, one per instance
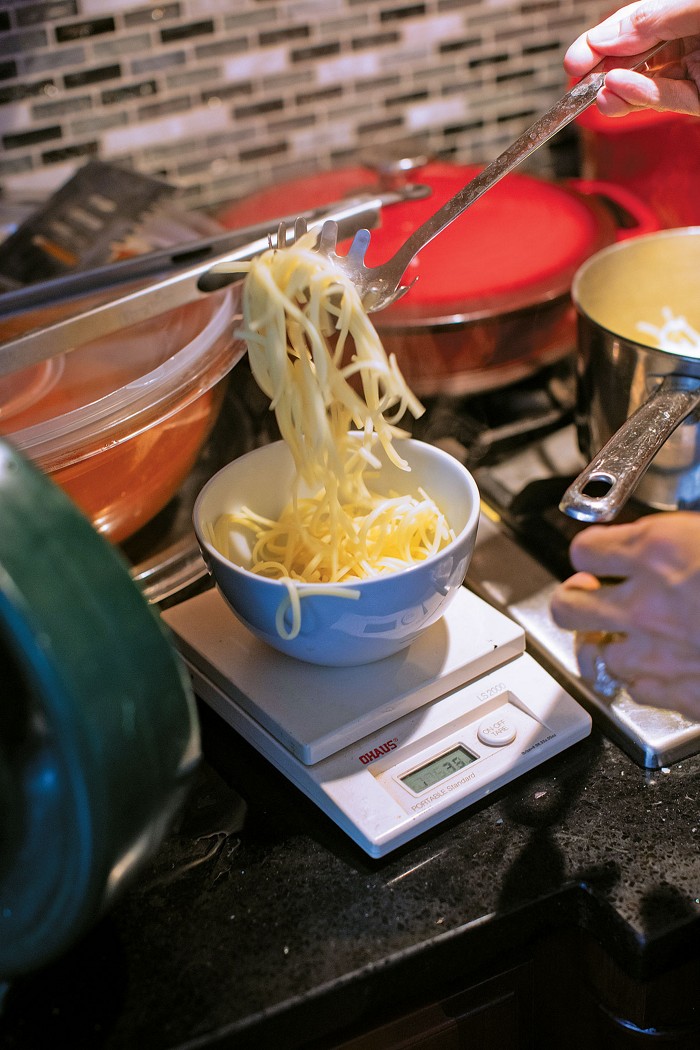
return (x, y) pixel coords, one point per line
(492, 301)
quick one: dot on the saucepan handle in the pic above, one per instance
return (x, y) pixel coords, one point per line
(621, 463)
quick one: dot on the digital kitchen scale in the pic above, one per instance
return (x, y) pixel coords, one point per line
(387, 749)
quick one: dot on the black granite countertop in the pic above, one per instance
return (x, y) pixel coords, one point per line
(260, 923)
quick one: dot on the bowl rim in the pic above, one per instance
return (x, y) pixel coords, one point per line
(317, 588)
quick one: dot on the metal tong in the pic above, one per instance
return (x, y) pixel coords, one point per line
(187, 284)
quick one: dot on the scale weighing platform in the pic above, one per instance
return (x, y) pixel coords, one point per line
(387, 749)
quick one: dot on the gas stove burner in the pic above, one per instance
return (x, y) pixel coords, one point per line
(483, 428)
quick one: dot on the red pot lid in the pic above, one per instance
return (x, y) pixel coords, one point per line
(517, 246)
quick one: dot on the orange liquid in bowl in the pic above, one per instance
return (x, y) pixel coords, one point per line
(123, 487)
(120, 424)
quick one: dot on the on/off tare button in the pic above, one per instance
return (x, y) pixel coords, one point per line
(497, 731)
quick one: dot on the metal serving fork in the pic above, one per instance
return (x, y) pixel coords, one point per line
(380, 286)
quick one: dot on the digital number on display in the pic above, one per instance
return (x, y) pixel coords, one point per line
(438, 769)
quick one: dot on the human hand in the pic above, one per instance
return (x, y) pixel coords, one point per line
(652, 613)
(632, 30)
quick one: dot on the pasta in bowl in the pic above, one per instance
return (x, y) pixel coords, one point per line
(341, 543)
(355, 620)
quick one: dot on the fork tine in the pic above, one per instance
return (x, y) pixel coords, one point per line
(300, 227)
(328, 237)
(358, 247)
(282, 235)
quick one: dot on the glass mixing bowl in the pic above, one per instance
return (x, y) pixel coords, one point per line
(119, 423)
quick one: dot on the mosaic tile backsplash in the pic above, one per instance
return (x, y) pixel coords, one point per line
(222, 97)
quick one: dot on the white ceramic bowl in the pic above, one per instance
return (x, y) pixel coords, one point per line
(392, 609)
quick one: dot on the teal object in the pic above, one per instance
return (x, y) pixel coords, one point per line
(98, 725)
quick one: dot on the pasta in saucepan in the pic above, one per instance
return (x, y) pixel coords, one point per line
(675, 335)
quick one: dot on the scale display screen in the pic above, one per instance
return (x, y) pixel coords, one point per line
(438, 769)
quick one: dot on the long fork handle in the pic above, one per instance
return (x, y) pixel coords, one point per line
(573, 103)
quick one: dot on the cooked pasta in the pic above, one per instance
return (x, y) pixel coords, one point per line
(675, 335)
(335, 394)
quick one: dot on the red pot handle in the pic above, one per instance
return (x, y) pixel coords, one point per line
(632, 216)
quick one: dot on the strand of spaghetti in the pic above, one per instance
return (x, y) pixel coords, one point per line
(399, 529)
(675, 335)
(293, 602)
(293, 309)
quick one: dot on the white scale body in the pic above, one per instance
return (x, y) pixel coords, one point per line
(388, 749)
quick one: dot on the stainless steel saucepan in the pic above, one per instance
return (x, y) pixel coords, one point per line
(638, 397)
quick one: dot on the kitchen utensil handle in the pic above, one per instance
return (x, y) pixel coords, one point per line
(570, 106)
(622, 462)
